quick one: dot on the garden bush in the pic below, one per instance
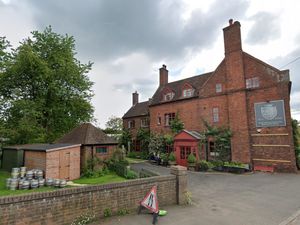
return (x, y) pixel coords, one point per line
(172, 157)
(131, 174)
(202, 165)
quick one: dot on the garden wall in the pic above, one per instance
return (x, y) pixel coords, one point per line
(64, 205)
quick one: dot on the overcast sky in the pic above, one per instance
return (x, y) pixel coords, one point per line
(128, 41)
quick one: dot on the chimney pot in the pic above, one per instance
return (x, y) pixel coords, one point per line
(135, 98)
(230, 22)
(232, 37)
(163, 75)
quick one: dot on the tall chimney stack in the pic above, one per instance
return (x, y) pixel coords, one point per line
(135, 98)
(232, 37)
(163, 75)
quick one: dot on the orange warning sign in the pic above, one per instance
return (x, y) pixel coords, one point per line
(150, 201)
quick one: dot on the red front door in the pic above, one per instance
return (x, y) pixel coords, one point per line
(184, 152)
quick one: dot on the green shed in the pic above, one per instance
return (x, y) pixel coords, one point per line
(12, 157)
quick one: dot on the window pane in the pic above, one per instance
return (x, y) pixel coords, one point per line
(101, 150)
(218, 88)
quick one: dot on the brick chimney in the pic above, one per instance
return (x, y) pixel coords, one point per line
(232, 37)
(135, 98)
(163, 75)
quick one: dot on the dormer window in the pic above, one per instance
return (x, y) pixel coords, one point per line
(188, 92)
(168, 96)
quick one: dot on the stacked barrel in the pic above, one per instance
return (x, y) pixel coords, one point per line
(23, 179)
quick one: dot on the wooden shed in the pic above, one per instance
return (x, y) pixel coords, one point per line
(94, 143)
(59, 161)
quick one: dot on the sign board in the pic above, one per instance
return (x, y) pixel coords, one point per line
(150, 201)
(270, 114)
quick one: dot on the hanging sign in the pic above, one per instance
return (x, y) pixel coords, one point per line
(150, 201)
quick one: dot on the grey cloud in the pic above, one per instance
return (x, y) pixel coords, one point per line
(106, 29)
(146, 86)
(264, 21)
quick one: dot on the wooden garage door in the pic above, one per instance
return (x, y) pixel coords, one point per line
(64, 165)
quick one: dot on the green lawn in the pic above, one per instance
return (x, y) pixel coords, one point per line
(4, 191)
(132, 160)
(111, 177)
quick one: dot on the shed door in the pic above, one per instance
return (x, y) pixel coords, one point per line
(64, 165)
(184, 153)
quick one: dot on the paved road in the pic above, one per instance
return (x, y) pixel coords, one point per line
(227, 199)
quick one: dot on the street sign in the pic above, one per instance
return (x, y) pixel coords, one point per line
(150, 201)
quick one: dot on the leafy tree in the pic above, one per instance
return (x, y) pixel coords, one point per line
(296, 137)
(222, 139)
(143, 136)
(125, 138)
(114, 126)
(176, 125)
(156, 143)
(44, 89)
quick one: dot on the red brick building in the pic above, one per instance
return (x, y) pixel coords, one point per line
(242, 93)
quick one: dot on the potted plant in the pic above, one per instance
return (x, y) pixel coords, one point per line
(172, 159)
(191, 161)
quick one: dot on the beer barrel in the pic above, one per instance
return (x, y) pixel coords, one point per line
(8, 180)
(13, 184)
(62, 183)
(15, 172)
(22, 171)
(41, 182)
(56, 183)
(34, 184)
(49, 182)
(25, 185)
(29, 174)
(39, 174)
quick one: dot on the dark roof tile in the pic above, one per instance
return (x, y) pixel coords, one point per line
(139, 109)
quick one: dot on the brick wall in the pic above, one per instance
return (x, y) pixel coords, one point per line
(64, 205)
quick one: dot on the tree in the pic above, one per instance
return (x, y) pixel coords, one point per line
(176, 125)
(125, 138)
(156, 143)
(143, 136)
(296, 137)
(44, 88)
(114, 126)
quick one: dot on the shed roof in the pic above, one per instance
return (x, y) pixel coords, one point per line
(87, 134)
(194, 134)
(41, 147)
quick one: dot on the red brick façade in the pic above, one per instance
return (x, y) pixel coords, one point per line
(257, 146)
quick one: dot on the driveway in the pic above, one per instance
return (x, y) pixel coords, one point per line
(227, 199)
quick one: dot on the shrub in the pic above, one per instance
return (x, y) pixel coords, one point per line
(122, 212)
(172, 157)
(203, 165)
(121, 168)
(131, 174)
(132, 155)
(217, 163)
(84, 219)
(191, 158)
(107, 212)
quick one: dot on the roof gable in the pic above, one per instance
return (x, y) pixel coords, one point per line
(86, 134)
(139, 109)
(196, 82)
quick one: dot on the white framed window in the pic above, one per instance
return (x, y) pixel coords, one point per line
(145, 122)
(215, 112)
(218, 88)
(188, 92)
(168, 118)
(168, 96)
(131, 124)
(252, 82)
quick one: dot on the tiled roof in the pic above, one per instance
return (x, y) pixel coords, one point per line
(196, 82)
(86, 134)
(41, 147)
(139, 109)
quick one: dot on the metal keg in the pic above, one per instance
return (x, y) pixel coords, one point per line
(34, 184)
(39, 174)
(21, 181)
(25, 185)
(56, 183)
(29, 174)
(13, 184)
(22, 171)
(41, 182)
(8, 180)
(15, 172)
(63, 183)
(49, 182)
